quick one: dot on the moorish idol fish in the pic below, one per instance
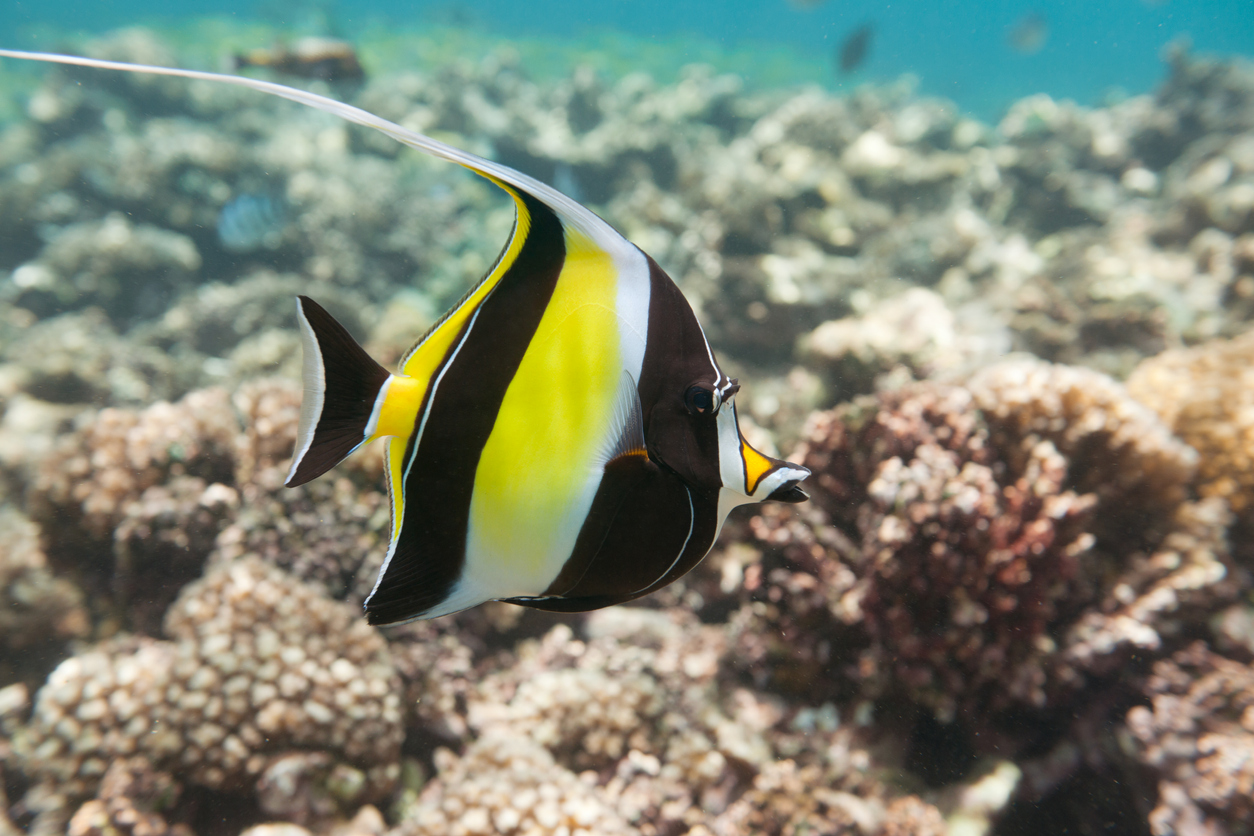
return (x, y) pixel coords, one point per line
(562, 439)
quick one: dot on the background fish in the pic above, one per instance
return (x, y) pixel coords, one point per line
(854, 48)
(1029, 34)
(327, 59)
(563, 439)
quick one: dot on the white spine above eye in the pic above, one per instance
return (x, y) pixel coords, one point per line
(724, 393)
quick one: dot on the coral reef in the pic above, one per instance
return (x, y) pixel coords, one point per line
(331, 531)
(979, 547)
(136, 502)
(130, 504)
(1002, 557)
(129, 801)
(1197, 736)
(631, 725)
(259, 669)
(39, 612)
(509, 785)
(1204, 395)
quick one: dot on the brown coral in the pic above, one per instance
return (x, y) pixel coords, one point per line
(259, 665)
(85, 485)
(1206, 396)
(129, 802)
(38, 611)
(1197, 735)
(984, 546)
(787, 801)
(136, 501)
(332, 531)
(959, 561)
(130, 504)
(1114, 447)
(506, 784)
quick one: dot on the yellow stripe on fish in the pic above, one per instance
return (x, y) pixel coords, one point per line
(539, 470)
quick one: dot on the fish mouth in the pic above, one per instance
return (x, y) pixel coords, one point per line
(789, 492)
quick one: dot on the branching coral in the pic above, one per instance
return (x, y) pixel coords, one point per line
(1113, 446)
(987, 545)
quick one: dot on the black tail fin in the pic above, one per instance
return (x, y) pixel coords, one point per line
(342, 384)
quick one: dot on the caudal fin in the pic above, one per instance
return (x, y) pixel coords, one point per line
(342, 384)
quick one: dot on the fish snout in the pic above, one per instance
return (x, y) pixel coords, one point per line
(790, 492)
(784, 483)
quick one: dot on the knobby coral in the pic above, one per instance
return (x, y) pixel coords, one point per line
(258, 665)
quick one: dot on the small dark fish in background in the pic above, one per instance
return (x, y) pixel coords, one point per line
(251, 221)
(854, 48)
(325, 59)
(1029, 34)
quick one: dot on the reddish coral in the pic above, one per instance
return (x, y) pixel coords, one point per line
(963, 550)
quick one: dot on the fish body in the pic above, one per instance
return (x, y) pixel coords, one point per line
(563, 438)
(327, 59)
(1029, 34)
(854, 48)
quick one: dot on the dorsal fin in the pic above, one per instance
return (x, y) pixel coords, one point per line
(573, 215)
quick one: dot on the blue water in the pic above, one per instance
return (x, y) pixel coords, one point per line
(957, 49)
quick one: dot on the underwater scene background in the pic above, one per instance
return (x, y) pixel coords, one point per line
(987, 269)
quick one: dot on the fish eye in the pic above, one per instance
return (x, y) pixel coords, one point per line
(699, 400)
